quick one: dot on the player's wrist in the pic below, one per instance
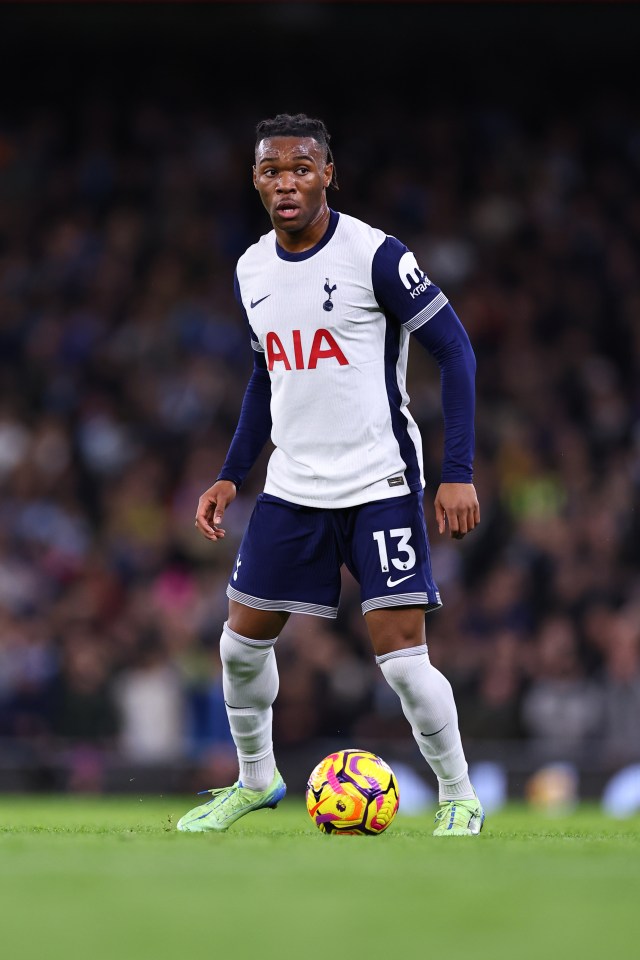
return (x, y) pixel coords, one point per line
(457, 478)
(229, 479)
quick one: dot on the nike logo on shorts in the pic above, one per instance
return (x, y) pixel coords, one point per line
(254, 303)
(394, 583)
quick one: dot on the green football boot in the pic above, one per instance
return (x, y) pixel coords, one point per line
(459, 818)
(229, 804)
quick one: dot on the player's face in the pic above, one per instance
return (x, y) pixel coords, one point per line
(291, 175)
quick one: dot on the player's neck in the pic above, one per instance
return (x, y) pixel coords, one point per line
(309, 236)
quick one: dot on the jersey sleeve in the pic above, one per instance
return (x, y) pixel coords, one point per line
(402, 288)
(255, 343)
(405, 292)
(447, 341)
(254, 424)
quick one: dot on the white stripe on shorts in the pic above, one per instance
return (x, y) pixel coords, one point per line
(289, 606)
(401, 600)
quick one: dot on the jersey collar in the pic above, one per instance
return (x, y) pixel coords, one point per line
(329, 232)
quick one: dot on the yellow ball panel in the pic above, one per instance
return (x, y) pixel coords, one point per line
(352, 792)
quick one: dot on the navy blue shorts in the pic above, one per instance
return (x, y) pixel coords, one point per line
(290, 556)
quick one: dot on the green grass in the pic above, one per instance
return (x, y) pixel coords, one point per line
(111, 879)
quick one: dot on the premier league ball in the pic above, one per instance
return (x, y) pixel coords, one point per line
(352, 792)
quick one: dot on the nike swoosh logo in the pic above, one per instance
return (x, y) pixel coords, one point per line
(254, 303)
(394, 583)
(432, 734)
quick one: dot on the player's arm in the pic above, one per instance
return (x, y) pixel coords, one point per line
(251, 434)
(405, 292)
(254, 425)
(456, 501)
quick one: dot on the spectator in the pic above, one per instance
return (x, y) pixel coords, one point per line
(621, 687)
(561, 709)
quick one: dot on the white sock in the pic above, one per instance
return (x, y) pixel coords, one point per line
(250, 684)
(427, 703)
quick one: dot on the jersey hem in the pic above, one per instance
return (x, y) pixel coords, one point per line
(366, 496)
(289, 606)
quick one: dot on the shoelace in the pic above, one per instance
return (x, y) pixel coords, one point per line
(444, 811)
(453, 812)
(233, 795)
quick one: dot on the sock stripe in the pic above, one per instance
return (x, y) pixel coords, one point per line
(405, 652)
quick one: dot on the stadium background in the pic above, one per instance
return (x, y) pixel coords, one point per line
(502, 143)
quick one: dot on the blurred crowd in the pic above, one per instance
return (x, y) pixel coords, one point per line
(123, 362)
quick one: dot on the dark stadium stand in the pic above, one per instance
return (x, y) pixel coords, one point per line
(503, 143)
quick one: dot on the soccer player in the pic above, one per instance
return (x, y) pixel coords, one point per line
(330, 304)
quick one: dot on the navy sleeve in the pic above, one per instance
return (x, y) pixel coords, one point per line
(254, 425)
(238, 295)
(405, 292)
(401, 287)
(446, 339)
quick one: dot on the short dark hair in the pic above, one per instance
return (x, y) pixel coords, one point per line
(298, 125)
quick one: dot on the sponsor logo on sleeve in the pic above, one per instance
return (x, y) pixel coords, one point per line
(414, 279)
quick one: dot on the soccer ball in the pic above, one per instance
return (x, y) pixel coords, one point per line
(352, 792)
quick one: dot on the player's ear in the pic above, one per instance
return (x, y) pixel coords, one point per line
(254, 177)
(328, 173)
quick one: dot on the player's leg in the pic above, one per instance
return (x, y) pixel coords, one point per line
(428, 704)
(250, 686)
(398, 638)
(390, 557)
(281, 568)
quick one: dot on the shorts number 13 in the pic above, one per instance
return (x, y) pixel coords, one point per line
(402, 547)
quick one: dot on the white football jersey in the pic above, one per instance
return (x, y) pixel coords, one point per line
(333, 324)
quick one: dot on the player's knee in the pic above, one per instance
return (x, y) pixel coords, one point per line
(250, 673)
(397, 643)
(396, 629)
(242, 661)
(400, 669)
(257, 624)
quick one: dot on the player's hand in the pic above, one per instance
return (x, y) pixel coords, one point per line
(211, 507)
(457, 504)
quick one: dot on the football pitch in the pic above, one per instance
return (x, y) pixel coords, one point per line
(111, 879)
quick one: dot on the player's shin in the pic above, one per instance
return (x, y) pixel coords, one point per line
(428, 704)
(250, 685)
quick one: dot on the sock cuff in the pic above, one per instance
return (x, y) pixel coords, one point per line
(247, 640)
(256, 758)
(404, 652)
